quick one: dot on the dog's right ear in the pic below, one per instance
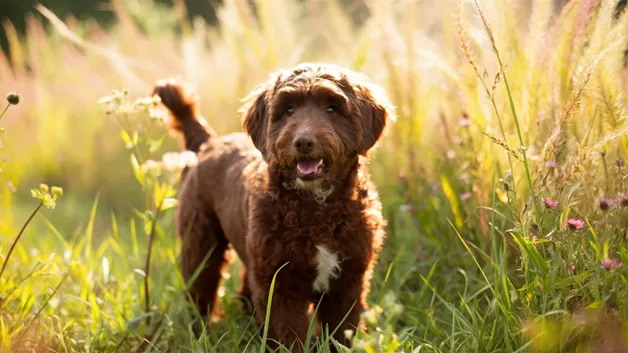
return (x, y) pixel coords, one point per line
(255, 116)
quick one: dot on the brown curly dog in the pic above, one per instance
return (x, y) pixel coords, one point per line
(294, 192)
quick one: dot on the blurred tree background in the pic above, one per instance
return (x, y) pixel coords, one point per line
(16, 11)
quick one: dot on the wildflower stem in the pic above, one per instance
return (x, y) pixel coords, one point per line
(491, 97)
(19, 235)
(5, 110)
(147, 143)
(489, 32)
(501, 128)
(516, 120)
(151, 239)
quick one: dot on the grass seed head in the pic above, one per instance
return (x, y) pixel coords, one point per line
(13, 98)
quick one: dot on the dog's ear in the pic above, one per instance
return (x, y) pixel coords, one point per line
(255, 116)
(375, 110)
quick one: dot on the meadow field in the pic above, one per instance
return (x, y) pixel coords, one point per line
(503, 178)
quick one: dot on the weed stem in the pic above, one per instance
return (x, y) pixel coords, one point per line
(19, 235)
(151, 239)
(5, 110)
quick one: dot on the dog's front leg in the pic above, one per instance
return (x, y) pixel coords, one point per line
(340, 310)
(271, 258)
(288, 323)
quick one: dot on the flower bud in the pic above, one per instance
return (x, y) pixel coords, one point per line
(13, 98)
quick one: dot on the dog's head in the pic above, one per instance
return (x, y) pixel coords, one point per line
(315, 120)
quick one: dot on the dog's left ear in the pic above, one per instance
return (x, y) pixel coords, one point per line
(255, 117)
(256, 112)
(376, 111)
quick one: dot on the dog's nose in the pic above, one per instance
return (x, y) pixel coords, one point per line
(303, 144)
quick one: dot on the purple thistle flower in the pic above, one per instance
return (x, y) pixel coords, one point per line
(551, 164)
(610, 264)
(574, 224)
(466, 196)
(550, 203)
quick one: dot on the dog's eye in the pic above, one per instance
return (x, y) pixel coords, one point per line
(289, 110)
(331, 109)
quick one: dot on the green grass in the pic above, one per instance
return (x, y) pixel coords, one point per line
(497, 110)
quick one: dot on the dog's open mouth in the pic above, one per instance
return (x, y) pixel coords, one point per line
(310, 169)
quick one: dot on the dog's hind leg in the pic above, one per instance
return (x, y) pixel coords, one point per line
(203, 253)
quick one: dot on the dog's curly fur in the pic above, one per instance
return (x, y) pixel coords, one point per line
(248, 193)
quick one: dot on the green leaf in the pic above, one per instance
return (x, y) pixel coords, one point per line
(453, 200)
(570, 281)
(268, 307)
(155, 145)
(128, 143)
(148, 225)
(137, 170)
(161, 192)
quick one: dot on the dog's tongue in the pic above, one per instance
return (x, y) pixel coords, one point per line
(309, 166)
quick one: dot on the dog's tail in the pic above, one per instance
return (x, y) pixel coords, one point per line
(184, 116)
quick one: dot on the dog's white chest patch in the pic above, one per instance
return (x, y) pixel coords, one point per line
(327, 267)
